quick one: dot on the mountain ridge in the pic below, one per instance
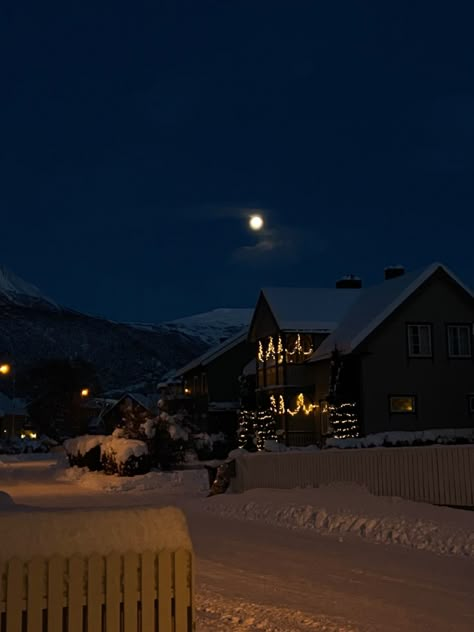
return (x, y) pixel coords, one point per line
(34, 328)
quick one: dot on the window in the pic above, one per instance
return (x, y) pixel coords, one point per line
(196, 384)
(459, 341)
(470, 400)
(419, 341)
(402, 404)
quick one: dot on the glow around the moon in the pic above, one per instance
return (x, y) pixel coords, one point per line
(256, 222)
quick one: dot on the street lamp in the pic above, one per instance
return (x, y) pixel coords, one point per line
(5, 369)
(85, 392)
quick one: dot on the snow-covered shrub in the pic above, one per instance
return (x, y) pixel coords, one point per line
(26, 446)
(125, 457)
(85, 451)
(214, 446)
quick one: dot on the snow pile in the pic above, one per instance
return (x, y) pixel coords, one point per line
(350, 510)
(191, 482)
(122, 449)
(81, 445)
(83, 532)
(218, 614)
(404, 438)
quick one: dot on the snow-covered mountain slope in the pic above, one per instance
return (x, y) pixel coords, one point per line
(215, 326)
(33, 329)
(15, 291)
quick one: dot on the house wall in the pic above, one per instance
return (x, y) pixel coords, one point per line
(223, 372)
(221, 385)
(440, 384)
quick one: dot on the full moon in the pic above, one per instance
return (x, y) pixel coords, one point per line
(256, 222)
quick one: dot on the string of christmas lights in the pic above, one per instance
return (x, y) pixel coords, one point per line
(343, 418)
(300, 406)
(270, 353)
(256, 427)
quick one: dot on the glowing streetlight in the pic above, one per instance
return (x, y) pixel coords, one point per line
(5, 369)
(85, 392)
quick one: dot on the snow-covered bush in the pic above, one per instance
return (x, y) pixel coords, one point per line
(214, 446)
(26, 446)
(85, 451)
(125, 457)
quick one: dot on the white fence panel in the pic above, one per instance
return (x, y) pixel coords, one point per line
(127, 592)
(442, 475)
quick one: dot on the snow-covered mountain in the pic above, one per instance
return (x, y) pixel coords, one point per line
(211, 327)
(14, 290)
(34, 328)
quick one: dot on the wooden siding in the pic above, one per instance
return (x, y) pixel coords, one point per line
(441, 475)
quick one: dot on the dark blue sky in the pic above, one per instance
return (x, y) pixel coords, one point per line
(135, 139)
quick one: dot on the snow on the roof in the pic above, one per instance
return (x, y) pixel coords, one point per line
(213, 353)
(309, 309)
(374, 305)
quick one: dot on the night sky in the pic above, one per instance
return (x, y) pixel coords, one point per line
(136, 139)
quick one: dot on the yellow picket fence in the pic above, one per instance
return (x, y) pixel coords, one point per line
(147, 592)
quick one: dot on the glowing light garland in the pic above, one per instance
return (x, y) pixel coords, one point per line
(270, 353)
(300, 406)
(344, 420)
(257, 427)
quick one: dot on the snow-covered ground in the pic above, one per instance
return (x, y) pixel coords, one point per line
(334, 559)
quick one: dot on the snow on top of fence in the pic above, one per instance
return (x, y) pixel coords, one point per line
(25, 534)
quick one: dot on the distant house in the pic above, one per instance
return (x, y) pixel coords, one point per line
(208, 387)
(13, 416)
(127, 406)
(395, 356)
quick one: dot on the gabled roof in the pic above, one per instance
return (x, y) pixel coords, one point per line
(309, 309)
(373, 306)
(213, 353)
(143, 400)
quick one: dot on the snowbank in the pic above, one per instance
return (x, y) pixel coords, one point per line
(404, 438)
(82, 444)
(65, 532)
(181, 481)
(350, 510)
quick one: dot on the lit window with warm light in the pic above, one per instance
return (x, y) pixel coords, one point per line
(5, 369)
(402, 404)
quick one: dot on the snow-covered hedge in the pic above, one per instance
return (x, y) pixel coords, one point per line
(404, 438)
(27, 446)
(125, 457)
(114, 454)
(85, 451)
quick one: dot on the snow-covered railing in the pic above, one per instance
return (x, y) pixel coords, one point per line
(441, 475)
(96, 571)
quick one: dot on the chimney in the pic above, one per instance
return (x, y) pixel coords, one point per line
(392, 272)
(349, 281)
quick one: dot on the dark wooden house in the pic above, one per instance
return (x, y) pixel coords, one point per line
(401, 359)
(208, 387)
(288, 325)
(351, 361)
